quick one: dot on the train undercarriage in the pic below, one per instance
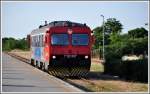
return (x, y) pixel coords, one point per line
(61, 66)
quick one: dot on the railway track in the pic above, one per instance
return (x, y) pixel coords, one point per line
(66, 79)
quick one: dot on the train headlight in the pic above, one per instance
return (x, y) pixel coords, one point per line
(86, 57)
(53, 57)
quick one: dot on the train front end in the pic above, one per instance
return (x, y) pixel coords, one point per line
(70, 50)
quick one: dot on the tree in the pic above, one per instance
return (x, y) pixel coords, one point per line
(113, 26)
(112, 31)
(138, 33)
(98, 33)
(115, 38)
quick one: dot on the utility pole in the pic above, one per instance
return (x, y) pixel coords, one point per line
(103, 39)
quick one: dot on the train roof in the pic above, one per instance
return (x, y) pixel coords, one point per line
(44, 28)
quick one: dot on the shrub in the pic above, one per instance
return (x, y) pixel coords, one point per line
(135, 70)
(132, 70)
(113, 54)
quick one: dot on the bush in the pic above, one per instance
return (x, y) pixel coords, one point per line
(132, 70)
(135, 70)
(113, 54)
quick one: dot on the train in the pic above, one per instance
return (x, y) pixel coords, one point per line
(62, 48)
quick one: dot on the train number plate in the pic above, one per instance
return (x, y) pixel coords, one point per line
(70, 56)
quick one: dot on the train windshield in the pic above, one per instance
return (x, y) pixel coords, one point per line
(80, 39)
(60, 39)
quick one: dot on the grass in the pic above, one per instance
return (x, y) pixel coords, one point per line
(97, 67)
(102, 88)
(115, 86)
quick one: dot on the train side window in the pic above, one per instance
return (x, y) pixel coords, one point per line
(42, 40)
(36, 41)
(33, 41)
(39, 40)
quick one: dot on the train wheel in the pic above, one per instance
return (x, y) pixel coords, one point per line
(37, 64)
(32, 62)
(42, 66)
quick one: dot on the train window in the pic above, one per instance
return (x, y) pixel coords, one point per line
(32, 41)
(60, 39)
(42, 41)
(80, 39)
(35, 41)
(39, 41)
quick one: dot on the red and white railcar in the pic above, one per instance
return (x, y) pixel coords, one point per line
(62, 48)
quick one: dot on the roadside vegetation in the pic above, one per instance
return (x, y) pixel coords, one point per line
(118, 45)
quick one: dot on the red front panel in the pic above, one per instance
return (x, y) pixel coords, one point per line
(70, 49)
(66, 50)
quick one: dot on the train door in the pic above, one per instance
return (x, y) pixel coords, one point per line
(46, 50)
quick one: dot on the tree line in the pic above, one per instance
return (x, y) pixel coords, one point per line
(10, 43)
(135, 41)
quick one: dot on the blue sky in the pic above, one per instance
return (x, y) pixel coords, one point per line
(20, 18)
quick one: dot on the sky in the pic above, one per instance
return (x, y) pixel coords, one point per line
(20, 18)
